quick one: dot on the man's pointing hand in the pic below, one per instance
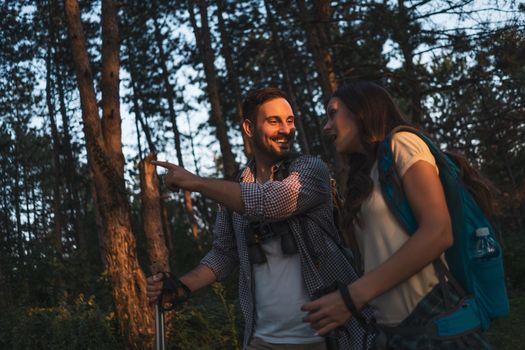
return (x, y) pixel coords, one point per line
(177, 177)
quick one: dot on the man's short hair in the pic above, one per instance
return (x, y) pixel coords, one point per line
(256, 98)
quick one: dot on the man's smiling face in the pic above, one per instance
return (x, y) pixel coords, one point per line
(274, 131)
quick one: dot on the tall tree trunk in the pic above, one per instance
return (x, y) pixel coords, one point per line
(305, 146)
(30, 229)
(170, 96)
(203, 40)
(232, 74)
(139, 144)
(152, 215)
(314, 23)
(98, 217)
(106, 162)
(37, 218)
(76, 215)
(16, 198)
(111, 121)
(6, 203)
(71, 177)
(151, 209)
(57, 169)
(6, 297)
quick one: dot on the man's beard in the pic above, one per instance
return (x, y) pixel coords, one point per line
(270, 151)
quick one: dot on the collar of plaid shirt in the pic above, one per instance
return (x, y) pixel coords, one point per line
(249, 173)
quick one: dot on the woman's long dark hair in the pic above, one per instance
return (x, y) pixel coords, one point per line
(376, 115)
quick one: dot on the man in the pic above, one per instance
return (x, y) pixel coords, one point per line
(276, 225)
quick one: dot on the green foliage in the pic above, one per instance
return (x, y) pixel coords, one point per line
(514, 246)
(81, 325)
(507, 333)
(193, 328)
(229, 309)
(210, 320)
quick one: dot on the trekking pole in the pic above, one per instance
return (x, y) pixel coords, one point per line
(159, 328)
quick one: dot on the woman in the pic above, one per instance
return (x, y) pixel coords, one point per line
(398, 272)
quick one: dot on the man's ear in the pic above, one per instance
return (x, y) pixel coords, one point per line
(247, 127)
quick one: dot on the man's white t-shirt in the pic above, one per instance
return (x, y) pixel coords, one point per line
(279, 294)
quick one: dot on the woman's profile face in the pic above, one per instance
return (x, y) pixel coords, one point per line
(342, 128)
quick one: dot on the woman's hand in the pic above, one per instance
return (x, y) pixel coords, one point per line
(327, 313)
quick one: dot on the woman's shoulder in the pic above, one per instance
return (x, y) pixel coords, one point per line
(407, 149)
(408, 142)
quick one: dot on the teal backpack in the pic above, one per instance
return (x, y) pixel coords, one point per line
(482, 280)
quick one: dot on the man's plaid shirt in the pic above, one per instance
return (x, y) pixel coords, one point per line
(303, 194)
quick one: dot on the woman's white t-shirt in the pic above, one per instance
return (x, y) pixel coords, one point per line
(381, 236)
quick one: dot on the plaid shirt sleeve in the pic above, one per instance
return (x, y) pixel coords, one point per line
(223, 257)
(306, 187)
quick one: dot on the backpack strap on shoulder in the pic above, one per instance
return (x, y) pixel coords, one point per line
(391, 181)
(391, 186)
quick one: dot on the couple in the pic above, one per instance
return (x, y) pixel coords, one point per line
(297, 288)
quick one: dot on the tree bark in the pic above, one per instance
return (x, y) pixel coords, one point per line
(57, 168)
(111, 121)
(107, 165)
(152, 215)
(151, 209)
(203, 40)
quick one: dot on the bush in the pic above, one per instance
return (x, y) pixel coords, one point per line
(207, 322)
(79, 326)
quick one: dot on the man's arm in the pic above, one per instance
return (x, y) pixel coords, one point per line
(306, 187)
(227, 193)
(216, 265)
